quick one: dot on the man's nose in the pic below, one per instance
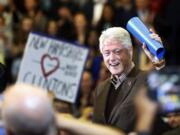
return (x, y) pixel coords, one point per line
(112, 56)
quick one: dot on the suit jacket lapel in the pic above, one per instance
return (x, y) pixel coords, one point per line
(105, 96)
(123, 94)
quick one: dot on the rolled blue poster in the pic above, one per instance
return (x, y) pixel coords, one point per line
(136, 27)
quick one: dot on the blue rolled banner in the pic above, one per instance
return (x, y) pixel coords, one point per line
(136, 27)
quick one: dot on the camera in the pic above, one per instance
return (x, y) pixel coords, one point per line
(164, 89)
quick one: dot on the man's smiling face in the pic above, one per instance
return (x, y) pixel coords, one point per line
(116, 57)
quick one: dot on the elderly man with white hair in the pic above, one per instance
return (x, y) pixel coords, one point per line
(114, 97)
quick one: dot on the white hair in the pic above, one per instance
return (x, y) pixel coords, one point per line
(118, 34)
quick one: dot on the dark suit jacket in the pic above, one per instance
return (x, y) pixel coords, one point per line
(173, 132)
(123, 115)
(2, 78)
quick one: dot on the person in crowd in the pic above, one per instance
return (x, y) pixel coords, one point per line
(81, 28)
(65, 24)
(174, 121)
(113, 104)
(27, 110)
(85, 99)
(32, 9)
(52, 28)
(93, 10)
(107, 18)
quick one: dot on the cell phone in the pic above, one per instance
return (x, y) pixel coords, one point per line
(164, 88)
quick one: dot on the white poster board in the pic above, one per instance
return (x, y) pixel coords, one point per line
(53, 65)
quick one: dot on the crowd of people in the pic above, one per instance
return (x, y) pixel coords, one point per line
(100, 26)
(81, 22)
(32, 113)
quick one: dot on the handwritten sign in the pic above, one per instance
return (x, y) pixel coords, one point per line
(53, 65)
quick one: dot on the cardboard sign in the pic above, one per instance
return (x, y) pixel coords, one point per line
(53, 65)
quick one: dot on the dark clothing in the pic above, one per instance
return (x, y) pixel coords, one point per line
(115, 107)
(122, 115)
(2, 78)
(173, 132)
(112, 96)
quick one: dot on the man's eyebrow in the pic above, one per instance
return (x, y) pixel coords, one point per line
(107, 50)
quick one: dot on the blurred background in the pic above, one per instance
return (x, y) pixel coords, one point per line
(81, 22)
